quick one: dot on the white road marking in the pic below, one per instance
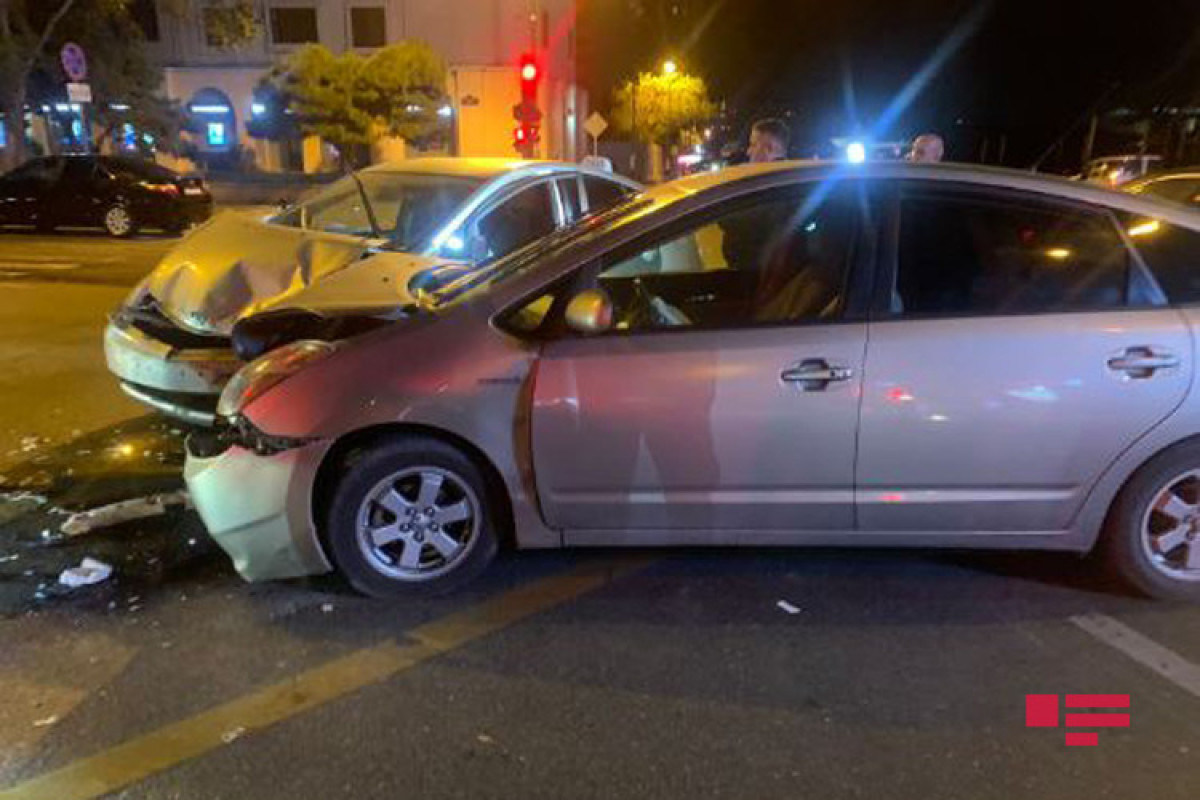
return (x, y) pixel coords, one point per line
(1142, 649)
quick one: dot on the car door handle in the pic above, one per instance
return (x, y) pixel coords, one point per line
(815, 373)
(1142, 362)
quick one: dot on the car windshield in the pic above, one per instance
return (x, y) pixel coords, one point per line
(444, 287)
(404, 208)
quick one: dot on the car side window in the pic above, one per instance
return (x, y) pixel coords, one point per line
(517, 221)
(1173, 255)
(40, 170)
(965, 253)
(782, 259)
(602, 194)
(79, 170)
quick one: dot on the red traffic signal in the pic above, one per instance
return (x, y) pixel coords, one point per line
(530, 72)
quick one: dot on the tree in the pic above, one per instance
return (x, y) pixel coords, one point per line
(126, 86)
(32, 30)
(351, 101)
(26, 28)
(656, 108)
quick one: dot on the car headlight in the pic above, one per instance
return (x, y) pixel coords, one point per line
(254, 379)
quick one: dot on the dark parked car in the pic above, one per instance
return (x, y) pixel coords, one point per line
(120, 195)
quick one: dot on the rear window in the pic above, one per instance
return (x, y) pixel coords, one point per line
(1172, 253)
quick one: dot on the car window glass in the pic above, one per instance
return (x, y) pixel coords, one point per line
(962, 254)
(79, 170)
(783, 259)
(340, 212)
(569, 191)
(1173, 255)
(42, 170)
(518, 220)
(602, 194)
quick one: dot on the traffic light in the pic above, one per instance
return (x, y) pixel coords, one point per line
(526, 113)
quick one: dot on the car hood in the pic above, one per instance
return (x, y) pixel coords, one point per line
(235, 262)
(377, 284)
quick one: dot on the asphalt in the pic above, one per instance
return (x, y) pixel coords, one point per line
(668, 673)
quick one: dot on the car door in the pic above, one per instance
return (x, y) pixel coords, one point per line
(1019, 349)
(78, 193)
(725, 398)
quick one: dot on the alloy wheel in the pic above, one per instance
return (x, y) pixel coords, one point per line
(118, 221)
(418, 523)
(1170, 535)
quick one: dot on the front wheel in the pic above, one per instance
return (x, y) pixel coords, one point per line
(1152, 536)
(119, 222)
(412, 516)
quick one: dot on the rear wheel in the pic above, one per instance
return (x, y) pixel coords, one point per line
(412, 516)
(119, 222)
(1152, 537)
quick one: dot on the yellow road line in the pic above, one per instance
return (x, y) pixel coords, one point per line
(166, 747)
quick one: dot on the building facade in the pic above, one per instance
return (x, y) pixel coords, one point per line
(482, 42)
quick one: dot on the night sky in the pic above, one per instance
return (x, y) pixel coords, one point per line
(1030, 70)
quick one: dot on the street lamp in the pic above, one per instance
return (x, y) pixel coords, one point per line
(669, 67)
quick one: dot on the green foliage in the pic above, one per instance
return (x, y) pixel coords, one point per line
(656, 108)
(120, 72)
(351, 100)
(228, 24)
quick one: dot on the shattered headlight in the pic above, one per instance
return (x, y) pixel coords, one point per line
(253, 380)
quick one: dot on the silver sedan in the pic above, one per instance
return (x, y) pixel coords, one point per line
(171, 343)
(787, 354)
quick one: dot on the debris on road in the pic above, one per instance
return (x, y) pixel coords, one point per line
(327, 608)
(787, 607)
(485, 739)
(6, 559)
(45, 722)
(233, 735)
(89, 572)
(123, 511)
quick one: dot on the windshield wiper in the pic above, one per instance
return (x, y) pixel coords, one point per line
(362, 192)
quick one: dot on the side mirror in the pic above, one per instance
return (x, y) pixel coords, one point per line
(590, 311)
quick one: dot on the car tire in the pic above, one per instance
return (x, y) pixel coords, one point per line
(1148, 536)
(398, 509)
(119, 222)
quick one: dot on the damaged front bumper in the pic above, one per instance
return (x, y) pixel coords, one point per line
(181, 382)
(254, 494)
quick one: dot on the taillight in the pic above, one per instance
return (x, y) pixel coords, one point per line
(162, 188)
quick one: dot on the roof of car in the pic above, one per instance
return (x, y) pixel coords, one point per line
(483, 168)
(948, 172)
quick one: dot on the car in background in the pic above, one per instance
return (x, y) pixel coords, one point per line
(1118, 170)
(121, 195)
(883, 354)
(171, 344)
(1180, 186)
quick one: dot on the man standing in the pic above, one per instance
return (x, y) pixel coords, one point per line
(927, 148)
(769, 139)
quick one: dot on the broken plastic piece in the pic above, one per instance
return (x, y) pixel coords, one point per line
(124, 511)
(788, 607)
(232, 735)
(89, 572)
